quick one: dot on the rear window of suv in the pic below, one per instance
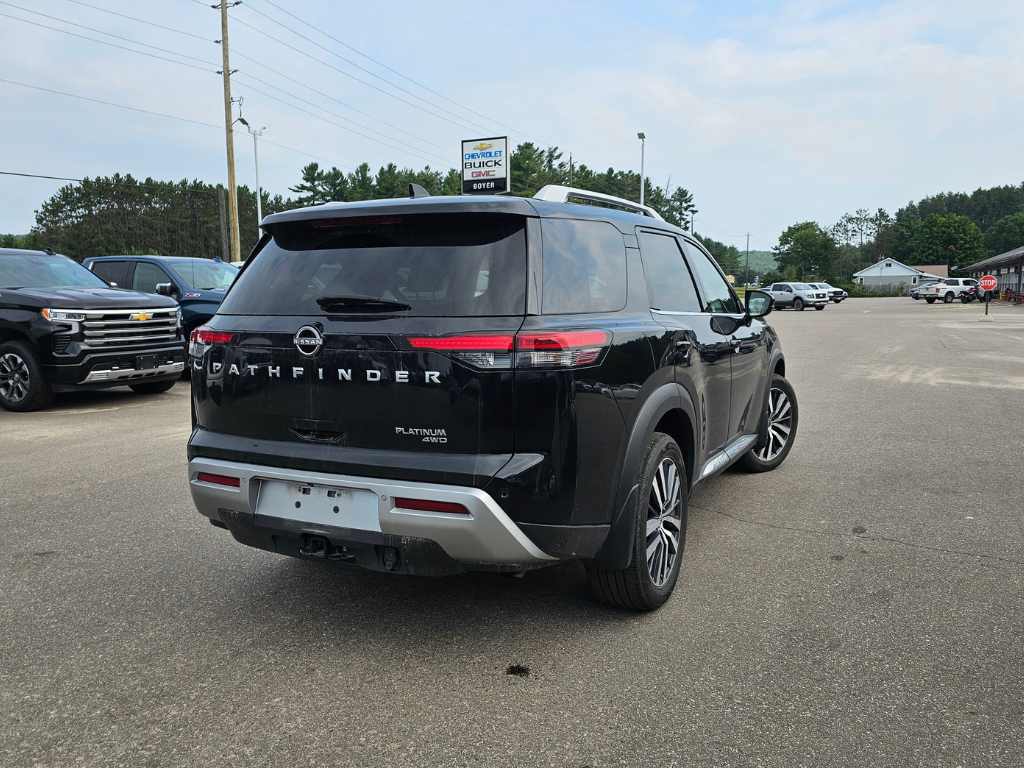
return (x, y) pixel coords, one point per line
(584, 267)
(469, 265)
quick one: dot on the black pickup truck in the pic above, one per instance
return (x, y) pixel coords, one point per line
(62, 328)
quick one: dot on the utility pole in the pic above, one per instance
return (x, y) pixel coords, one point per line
(643, 144)
(692, 230)
(256, 154)
(746, 271)
(570, 169)
(229, 133)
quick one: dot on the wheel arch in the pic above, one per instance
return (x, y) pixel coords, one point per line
(668, 409)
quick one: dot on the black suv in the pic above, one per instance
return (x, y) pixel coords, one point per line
(433, 385)
(62, 328)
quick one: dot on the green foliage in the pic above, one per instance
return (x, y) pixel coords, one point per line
(727, 256)
(983, 206)
(952, 239)
(1005, 235)
(805, 251)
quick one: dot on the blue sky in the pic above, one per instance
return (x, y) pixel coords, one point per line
(769, 112)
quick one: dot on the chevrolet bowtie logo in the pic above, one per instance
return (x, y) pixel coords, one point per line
(482, 146)
(141, 316)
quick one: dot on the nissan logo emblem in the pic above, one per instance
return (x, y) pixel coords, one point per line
(308, 340)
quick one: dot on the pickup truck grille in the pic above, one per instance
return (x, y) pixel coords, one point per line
(112, 328)
(819, 295)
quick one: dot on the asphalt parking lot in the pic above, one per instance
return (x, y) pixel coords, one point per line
(861, 606)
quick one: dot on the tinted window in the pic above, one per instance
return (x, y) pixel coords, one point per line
(584, 267)
(42, 271)
(720, 297)
(111, 271)
(203, 274)
(438, 264)
(778, 287)
(672, 288)
(147, 276)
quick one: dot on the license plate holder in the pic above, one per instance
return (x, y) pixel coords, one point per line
(145, 362)
(318, 504)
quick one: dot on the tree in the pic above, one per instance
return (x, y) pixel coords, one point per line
(952, 239)
(806, 249)
(1005, 235)
(728, 256)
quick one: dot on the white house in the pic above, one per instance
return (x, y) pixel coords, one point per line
(892, 272)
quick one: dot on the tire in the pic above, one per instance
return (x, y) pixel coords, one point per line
(771, 456)
(153, 387)
(820, 307)
(798, 305)
(22, 386)
(930, 299)
(948, 298)
(837, 301)
(645, 584)
(915, 298)
(965, 299)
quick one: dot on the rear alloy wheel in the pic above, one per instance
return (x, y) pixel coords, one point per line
(948, 298)
(783, 417)
(152, 387)
(798, 305)
(22, 386)
(659, 533)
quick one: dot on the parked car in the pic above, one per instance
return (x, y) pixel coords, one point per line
(62, 328)
(915, 292)
(797, 296)
(436, 385)
(947, 289)
(198, 285)
(835, 295)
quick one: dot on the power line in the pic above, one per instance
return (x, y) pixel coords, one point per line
(346, 74)
(141, 21)
(389, 69)
(330, 122)
(328, 96)
(351, 63)
(112, 45)
(159, 114)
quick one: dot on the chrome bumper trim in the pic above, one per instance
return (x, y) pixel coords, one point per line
(485, 536)
(117, 374)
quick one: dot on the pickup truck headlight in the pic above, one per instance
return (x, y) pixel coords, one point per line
(177, 314)
(65, 315)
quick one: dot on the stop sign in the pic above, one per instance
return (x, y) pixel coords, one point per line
(988, 283)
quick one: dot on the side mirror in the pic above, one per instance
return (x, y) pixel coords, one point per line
(758, 303)
(165, 289)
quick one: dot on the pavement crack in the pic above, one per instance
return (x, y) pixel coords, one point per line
(900, 542)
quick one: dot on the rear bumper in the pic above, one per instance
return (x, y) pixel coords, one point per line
(484, 537)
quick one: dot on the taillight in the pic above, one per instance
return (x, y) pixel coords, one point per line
(209, 477)
(490, 351)
(560, 349)
(203, 337)
(422, 505)
(535, 349)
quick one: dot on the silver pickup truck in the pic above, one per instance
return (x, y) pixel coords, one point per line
(797, 296)
(947, 289)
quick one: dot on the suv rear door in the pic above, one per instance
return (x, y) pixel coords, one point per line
(427, 368)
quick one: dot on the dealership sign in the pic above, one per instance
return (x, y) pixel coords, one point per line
(485, 166)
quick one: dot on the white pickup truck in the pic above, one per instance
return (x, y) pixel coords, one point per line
(947, 289)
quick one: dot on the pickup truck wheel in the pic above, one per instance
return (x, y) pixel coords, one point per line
(930, 299)
(820, 307)
(798, 305)
(658, 537)
(836, 301)
(783, 417)
(948, 298)
(152, 387)
(22, 386)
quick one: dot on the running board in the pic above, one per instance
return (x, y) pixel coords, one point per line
(733, 451)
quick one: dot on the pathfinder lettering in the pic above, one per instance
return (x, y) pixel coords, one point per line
(344, 374)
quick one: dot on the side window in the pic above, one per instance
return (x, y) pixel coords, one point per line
(584, 267)
(778, 288)
(721, 299)
(111, 271)
(147, 276)
(671, 287)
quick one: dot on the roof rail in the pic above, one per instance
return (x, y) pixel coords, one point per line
(557, 194)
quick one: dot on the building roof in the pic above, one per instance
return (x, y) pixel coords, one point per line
(938, 270)
(1010, 257)
(877, 268)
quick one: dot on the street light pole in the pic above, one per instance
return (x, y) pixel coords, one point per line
(259, 191)
(643, 143)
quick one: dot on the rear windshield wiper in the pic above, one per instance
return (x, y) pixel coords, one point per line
(361, 303)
